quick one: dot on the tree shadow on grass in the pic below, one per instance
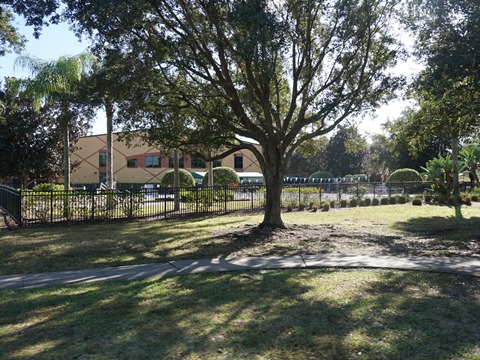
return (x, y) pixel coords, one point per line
(268, 314)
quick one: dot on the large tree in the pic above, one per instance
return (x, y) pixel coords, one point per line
(279, 72)
(448, 89)
(10, 39)
(56, 82)
(30, 143)
(345, 152)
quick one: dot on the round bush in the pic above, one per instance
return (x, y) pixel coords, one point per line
(186, 179)
(417, 202)
(353, 203)
(474, 198)
(368, 201)
(321, 175)
(343, 203)
(467, 200)
(402, 175)
(48, 187)
(375, 202)
(332, 204)
(428, 198)
(325, 207)
(402, 199)
(222, 176)
(384, 201)
(392, 200)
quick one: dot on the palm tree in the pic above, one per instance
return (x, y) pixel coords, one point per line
(57, 82)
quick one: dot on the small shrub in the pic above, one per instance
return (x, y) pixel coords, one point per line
(375, 202)
(325, 207)
(402, 199)
(392, 200)
(402, 175)
(474, 198)
(384, 201)
(186, 178)
(322, 175)
(48, 187)
(417, 202)
(428, 199)
(332, 204)
(301, 207)
(314, 209)
(467, 200)
(362, 202)
(289, 208)
(311, 204)
(222, 176)
(368, 201)
(343, 203)
(353, 202)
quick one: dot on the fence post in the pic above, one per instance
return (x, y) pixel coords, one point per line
(131, 203)
(225, 193)
(51, 207)
(20, 213)
(165, 201)
(358, 191)
(93, 205)
(251, 197)
(299, 196)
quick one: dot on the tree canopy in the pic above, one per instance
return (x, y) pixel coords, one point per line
(276, 72)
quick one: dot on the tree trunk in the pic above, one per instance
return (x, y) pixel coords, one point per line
(274, 182)
(66, 156)
(176, 180)
(210, 173)
(456, 186)
(109, 116)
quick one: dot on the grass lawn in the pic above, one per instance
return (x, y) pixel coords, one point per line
(290, 314)
(394, 230)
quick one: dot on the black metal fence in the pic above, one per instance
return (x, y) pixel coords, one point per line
(51, 207)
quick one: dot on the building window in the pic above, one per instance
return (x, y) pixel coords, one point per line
(198, 163)
(102, 178)
(238, 162)
(152, 161)
(217, 163)
(102, 159)
(131, 163)
(180, 161)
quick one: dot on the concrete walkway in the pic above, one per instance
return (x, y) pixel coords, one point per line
(458, 265)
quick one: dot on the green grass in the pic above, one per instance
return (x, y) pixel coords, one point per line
(293, 314)
(396, 230)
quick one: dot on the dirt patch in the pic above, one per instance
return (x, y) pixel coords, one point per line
(250, 240)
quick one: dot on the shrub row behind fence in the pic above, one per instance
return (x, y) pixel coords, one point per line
(52, 207)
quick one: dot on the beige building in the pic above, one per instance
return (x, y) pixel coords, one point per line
(138, 163)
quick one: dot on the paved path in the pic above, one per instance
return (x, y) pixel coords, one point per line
(458, 265)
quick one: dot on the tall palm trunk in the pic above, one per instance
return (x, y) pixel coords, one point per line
(456, 186)
(109, 115)
(176, 180)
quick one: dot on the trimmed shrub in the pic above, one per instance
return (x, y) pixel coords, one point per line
(361, 202)
(314, 209)
(402, 175)
(474, 198)
(375, 202)
(222, 176)
(325, 207)
(384, 201)
(467, 200)
(186, 178)
(301, 207)
(353, 202)
(48, 187)
(402, 199)
(367, 201)
(428, 199)
(321, 175)
(392, 200)
(332, 204)
(417, 202)
(343, 203)
(289, 208)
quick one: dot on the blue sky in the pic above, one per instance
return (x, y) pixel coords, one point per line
(58, 40)
(55, 41)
